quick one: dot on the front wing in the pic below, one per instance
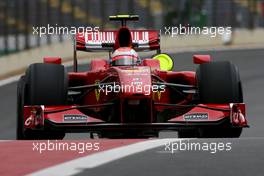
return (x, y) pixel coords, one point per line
(71, 119)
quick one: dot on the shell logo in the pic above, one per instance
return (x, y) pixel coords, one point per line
(97, 91)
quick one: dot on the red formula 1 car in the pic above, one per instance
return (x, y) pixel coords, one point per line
(126, 96)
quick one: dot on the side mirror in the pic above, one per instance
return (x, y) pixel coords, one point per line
(200, 59)
(166, 62)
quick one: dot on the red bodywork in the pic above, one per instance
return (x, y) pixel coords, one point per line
(99, 109)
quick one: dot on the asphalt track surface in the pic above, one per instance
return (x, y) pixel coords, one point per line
(245, 158)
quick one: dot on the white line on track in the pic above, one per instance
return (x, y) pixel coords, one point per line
(6, 140)
(94, 160)
(9, 80)
(16, 78)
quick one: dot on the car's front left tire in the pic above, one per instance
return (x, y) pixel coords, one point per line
(43, 84)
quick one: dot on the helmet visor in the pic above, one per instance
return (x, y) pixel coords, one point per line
(124, 60)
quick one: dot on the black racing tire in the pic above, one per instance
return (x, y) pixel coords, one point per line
(47, 84)
(219, 82)
(43, 84)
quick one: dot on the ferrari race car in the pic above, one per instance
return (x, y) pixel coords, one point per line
(126, 96)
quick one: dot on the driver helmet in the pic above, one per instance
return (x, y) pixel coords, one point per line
(124, 56)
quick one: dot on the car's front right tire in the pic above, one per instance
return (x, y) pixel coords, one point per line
(219, 83)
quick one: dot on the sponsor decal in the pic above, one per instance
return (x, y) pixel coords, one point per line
(156, 95)
(196, 116)
(74, 118)
(97, 91)
(136, 79)
(29, 120)
(95, 37)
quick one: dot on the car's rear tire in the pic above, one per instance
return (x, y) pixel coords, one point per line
(219, 83)
(43, 84)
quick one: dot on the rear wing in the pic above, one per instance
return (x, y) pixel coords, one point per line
(142, 40)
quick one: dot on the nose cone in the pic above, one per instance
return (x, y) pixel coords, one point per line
(135, 81)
